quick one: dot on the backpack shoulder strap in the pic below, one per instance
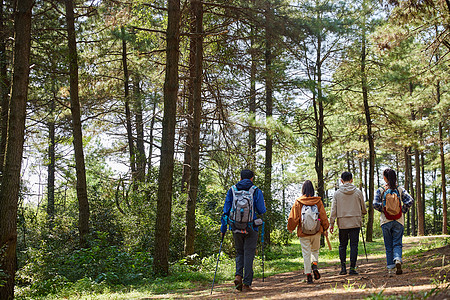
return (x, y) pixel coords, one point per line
(234, 190)
(383, 190)
(400, 192)
(252, 190)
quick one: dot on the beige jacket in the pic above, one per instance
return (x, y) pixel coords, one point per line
(295, 216)
(347, 207)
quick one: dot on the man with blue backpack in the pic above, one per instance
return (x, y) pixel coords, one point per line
(244, 201)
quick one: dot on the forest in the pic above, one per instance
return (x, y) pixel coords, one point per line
(124, 123)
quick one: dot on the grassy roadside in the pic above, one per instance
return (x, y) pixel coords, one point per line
(279, 259)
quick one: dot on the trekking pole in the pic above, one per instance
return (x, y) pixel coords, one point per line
(217, 264)
(262, 246)
(364, 243)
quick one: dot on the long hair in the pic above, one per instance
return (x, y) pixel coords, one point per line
(391, 178)
(308, 188)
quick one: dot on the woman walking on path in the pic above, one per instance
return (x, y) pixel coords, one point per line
(393, 202)
(309, 216)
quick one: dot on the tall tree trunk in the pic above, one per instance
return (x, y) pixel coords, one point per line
(435, 228)
(51, 163)
(413, 208)
(10, 180)
(319, 119)
(370, 139)
(443, 173)
(128, 117)
(407, 179)
(150, 148)
(141, 159)
(269, 112)
(185, 177)
(4, 88)
(252, 102)
(420, 220)
(83, 202)
(423, 188)
(165, 179)
(196, 75)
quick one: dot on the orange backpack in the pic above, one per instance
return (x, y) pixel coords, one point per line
(392, 204)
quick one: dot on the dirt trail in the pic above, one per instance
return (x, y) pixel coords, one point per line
(421, 273)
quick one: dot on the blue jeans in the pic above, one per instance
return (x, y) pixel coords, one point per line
(392, 235)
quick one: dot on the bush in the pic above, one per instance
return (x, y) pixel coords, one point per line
(50, 271)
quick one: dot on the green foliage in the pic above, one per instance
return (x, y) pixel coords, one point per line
(51, 270)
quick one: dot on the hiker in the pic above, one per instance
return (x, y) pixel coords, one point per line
(347, 209)
(243, 222)
(309, 216)
(393, 202)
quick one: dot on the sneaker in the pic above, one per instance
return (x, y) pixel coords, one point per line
(238, 282)
(309, 279)
(315, 272)
(343, 270)
(353, 271)
(398, 266)
(246, 288)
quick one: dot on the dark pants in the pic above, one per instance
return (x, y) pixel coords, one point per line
(351, 234)
(245, 245)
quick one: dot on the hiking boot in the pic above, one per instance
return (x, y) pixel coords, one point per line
(343, 270)
(398, 266)
(315, 272)
(247, 288)
(238, 282)
(352, 271)
(309, 279)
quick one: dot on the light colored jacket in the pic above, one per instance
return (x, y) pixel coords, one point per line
(347, 207)
(294, 219)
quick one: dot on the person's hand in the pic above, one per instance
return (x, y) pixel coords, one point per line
(325, 233)
(331, 229)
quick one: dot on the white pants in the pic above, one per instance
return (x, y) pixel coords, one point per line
(310, 250)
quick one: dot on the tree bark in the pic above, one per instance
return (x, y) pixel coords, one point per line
(319, 115)
(4, 88)
(444, 183)
(185, 177)
(83, 202)
(196, 75)
(423, 188)
(435, 227)
(165, 179)
(413, 208)
(51, 164)
(252, 100)
(370, 139)
(407, 179)
(128, 117)
(141, 160)
(150, 148)
(10, 180)
(443, 173)
(420, 220)
(269, 113)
